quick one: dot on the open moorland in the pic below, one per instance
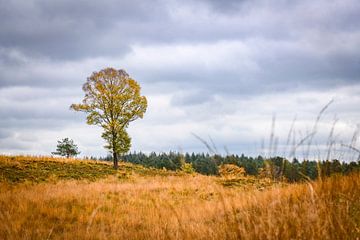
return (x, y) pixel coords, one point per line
(57, 198)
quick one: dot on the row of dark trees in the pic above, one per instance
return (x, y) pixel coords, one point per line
(276, 167)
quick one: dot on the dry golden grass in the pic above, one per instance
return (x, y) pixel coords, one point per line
(179, 207)
(17, 169)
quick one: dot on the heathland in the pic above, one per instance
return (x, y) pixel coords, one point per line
(57, 198)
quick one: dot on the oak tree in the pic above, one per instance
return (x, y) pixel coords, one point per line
(112, 100)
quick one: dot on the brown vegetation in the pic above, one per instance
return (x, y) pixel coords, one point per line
(179, 207)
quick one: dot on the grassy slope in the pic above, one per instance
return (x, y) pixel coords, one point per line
(155, 204)
(41, 169)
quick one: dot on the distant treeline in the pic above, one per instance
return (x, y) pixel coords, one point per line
(274, 167)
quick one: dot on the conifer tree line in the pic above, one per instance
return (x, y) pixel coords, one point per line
(275, 167)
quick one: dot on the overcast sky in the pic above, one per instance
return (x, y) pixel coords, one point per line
(219, 69)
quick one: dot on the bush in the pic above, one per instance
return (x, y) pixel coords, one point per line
(231, 170)
(187, 168)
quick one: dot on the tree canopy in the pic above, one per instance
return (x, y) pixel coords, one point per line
(112, 100)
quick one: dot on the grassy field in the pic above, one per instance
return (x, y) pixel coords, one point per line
(50, 198)
(29, 169)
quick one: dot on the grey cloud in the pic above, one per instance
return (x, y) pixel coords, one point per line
(23, 107)
(72, 30)
(191, 97)
(19, 70)
(278, 68)
(68, 29)
(303, 71)
(224, 7)
(11, 58)
(269, 48)
(13, 145)
(27, 122)
(5, 133)
(37, 94)
(29, 111)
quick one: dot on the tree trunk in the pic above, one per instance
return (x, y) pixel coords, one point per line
(116, 163)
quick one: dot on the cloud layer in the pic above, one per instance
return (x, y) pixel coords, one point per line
(207, 67)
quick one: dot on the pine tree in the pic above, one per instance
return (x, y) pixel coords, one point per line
(66, 147)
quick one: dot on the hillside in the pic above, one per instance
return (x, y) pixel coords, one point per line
(17, 169)
(50, 198)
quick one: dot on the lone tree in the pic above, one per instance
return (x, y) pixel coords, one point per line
(66, 147)
(112, 100)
